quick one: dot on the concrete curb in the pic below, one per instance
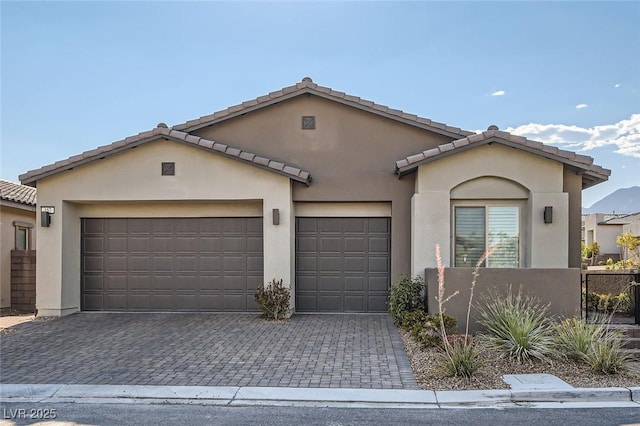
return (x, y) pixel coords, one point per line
(213, 395)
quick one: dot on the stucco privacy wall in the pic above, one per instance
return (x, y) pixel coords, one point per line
(7, 243)
(541, 177)
(129, 184)
(350, 153)
(558, 287)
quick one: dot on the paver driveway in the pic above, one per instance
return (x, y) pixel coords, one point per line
(353, 351)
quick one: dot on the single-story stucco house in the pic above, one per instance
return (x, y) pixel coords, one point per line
(333, 194)
(17, 242)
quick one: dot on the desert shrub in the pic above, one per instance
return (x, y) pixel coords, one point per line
(575, 337)
(406, 295)
(459, 358)
(427, 330)
(411, 318)
(608, 303)
(517, 325)
(273, 300)
(607, 354)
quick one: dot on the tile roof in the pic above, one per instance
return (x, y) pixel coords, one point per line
(592, 174)
(620, 219)
(17, 193)
(307, 86)
(162, 132)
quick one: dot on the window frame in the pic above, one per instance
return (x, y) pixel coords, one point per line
(19, 226)
(486, 204)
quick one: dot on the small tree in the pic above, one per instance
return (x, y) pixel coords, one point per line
(630, 247)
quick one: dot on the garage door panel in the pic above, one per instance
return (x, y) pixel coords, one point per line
(354, 264)
(161, 244)
(139, 244)
(355, 244)
(255, 264)
(93, 264)
(379, 264)
(330, 264)
(186, 245)
(117, 244)
(115, 302)
(378, 284)
(140, 264)
(330, 303)
(115, 282)
(185, 264)
(331, 283)
(330, 245)
(139, 283)
(233, 264)
(162, 283)
(379, 245)
(354, 284)
(377, 303)
(207, 244)
(94, 282)
(234, 244)
(116, 226)
(354, 304)
(93, 244)
(162, 264)
(349, 269)
(254, 244)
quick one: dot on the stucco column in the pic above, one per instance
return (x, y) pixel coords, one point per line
(549, 240)
(429, 211)
(49, 262)
(278, 241)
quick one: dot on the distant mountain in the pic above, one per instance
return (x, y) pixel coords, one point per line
(623, 200)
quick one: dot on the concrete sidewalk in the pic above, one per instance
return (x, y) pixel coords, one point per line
(318, 397)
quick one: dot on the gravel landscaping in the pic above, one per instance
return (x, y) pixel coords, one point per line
(494, 367)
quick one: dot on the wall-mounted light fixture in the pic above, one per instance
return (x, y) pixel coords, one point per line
(45, 215)
(276, 217)
(548, 214)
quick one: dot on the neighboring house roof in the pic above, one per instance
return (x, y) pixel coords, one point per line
(307, 86)
(17, 193)
(162, 132)
(621, 219)
(591, 173)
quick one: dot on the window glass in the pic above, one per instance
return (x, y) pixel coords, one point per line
(477, 228)
(22, 235)
(469, 235)
(503, 235)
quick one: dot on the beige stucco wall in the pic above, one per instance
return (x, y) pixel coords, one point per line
(604, 235)
(560, 288)
(351, 156)
(545, 245)
(129, 184)
(10, 212)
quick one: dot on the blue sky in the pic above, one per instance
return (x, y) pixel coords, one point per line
(76, 75)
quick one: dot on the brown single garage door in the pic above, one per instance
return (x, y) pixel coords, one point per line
(171, 264)
(342, 264)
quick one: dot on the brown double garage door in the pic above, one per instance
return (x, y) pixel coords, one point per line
(216, 264)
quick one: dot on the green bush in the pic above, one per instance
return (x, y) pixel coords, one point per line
(517, 326)
(459, 358)
(411, 318)
(606, 354)
(608, 303)
(426, 329)
(575, 337)
(273, 300)
(405, 295)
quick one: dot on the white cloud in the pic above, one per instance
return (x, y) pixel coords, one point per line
(617, 85)
(624, 135)
(580, 106)
(499, 93)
